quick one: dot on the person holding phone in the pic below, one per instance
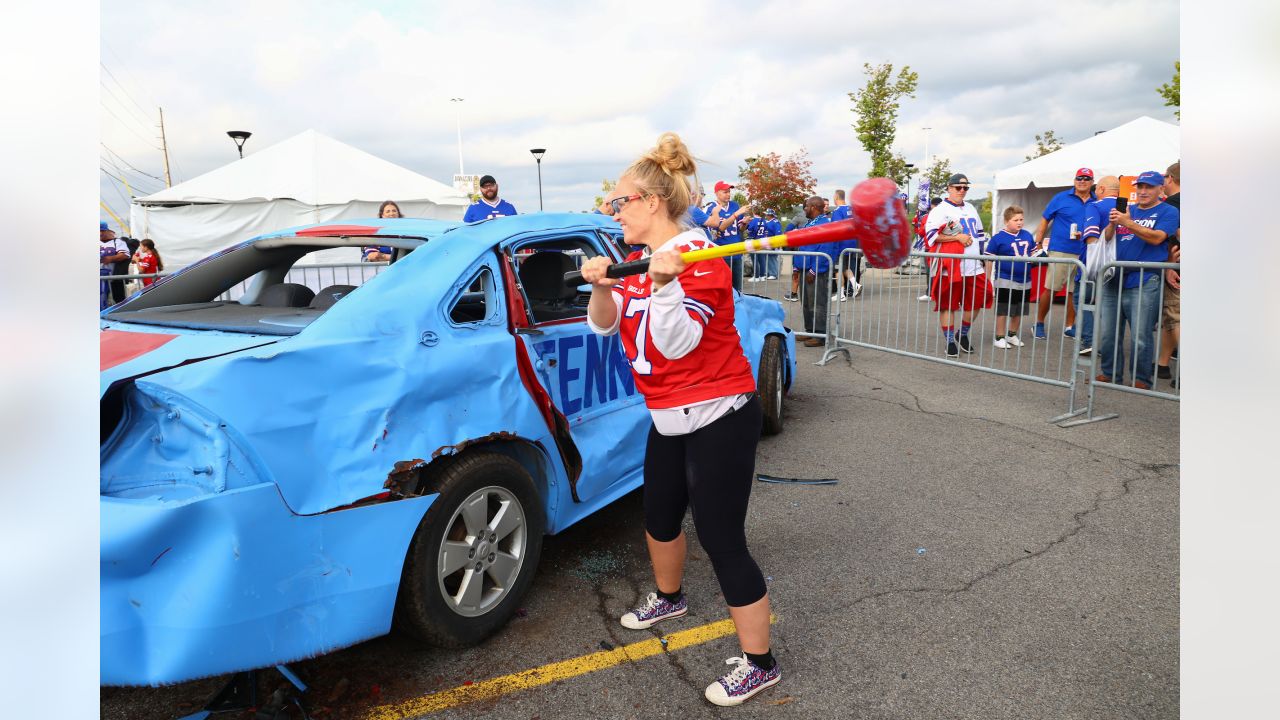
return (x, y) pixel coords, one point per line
(1141, 233)
(723, 221)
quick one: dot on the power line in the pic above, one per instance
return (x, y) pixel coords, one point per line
(128, 74)
(127, 127)
(116, 155)
(145, 121)
(127, 201)
(121, 175)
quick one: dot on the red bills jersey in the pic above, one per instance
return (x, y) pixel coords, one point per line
(716, 367)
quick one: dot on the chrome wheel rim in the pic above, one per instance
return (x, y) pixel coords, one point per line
(483, 550)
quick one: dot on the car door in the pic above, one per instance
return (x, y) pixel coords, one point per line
(586, 375)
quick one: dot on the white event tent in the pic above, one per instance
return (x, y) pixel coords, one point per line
(308, 178)
(1138, 145)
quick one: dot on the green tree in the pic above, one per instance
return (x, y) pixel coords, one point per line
(606, 186)
(984, 213)
(896, 169)
(876, 106)
(774, 182)
(1046, 144)
(1172, 91)
(937, 175)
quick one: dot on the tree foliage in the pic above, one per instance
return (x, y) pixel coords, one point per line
(876, 106)
(1172, 91)
(773, 182)
(606, 186)
(937, 175)
(1046, 144)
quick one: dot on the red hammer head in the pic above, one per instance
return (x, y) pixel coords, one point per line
(882, 229)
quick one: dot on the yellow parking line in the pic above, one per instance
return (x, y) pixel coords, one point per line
(563, 670)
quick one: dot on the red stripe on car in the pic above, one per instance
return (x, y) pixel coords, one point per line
(120, 347)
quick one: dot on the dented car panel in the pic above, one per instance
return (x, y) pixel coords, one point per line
(259, 492)
(259, 586)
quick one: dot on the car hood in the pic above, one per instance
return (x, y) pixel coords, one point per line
(130, 351)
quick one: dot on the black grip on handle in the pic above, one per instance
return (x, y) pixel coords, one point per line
(617, 270)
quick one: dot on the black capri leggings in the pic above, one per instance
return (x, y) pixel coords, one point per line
(711, 469)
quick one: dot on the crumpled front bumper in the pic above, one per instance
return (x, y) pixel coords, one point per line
(234, 581)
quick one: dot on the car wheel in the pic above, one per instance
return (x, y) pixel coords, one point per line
(771, 384)
(474, 553)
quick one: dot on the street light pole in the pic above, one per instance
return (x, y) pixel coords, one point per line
(925, 165)
(239, 136)
(537, 155)
(457, 116)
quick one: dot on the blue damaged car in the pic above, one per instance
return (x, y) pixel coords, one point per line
(289, 468)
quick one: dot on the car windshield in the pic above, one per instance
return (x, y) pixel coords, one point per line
(273, 286)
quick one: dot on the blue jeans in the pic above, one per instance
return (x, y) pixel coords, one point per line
(1084, 320)
(766, 265)
(1137, 308)
(735, 265)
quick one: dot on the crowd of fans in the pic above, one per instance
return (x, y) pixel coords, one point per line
(1088, 219)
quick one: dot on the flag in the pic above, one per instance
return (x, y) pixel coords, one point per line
(922, 198)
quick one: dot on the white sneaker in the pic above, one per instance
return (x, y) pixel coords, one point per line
(742, 683)
(923, 298)
(838, 296)
(1014, 341)
(1000, 343)
(771, 277)
(857, 289)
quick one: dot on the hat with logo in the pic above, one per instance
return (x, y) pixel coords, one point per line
(487, 180)
(1150, 177)
(771, 211)
(1084, 172)
(722, 185)
(958, 179)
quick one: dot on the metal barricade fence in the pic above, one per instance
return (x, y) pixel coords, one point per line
(894, 312)
(1128, 334)
(807, 304)
(317, 277)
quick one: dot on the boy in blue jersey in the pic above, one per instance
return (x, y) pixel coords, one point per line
(489, 205)
(850, 265)
(1095, 220)
(755, 231)
(1012, 279)
(772, 228)
(1132, 296)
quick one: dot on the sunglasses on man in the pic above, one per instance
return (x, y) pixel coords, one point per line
(961, 188)
(1083, 177)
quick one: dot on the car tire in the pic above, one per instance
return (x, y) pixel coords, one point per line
(446, 602)
(772, 384)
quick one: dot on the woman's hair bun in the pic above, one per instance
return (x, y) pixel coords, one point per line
(673, 155)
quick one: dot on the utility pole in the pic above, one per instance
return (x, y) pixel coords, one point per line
(165, 147)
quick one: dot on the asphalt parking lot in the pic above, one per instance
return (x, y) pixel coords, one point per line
(973, 561)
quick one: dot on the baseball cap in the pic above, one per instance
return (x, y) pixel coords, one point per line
(487, 179)
(1150, 177)
(771, 211)
(102, 225)
(722, 185)
(958, 179)
(1082, 172)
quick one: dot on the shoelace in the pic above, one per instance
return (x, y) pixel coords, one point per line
(740, 673)
(650, 604)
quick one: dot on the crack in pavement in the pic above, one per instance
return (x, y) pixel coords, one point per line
(1078, 517)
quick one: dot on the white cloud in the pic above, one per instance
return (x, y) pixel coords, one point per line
(596, 83)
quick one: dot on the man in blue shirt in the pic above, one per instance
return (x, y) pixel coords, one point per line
(1131, 296)
(723, 222)
(1064, 221)
(772, 263)
(815, 275)
(489, 205)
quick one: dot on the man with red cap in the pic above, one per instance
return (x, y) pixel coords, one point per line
(1064, 222)
(723, 221)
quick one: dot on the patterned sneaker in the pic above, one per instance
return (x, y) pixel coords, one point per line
(654, 609)
(742, 682)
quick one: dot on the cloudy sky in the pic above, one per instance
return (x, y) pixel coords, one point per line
(595, 83)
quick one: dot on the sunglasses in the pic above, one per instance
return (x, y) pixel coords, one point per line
(617, 203)
(1083, 177)
(961, 188)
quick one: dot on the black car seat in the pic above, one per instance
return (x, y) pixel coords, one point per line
(291, 295)
(330, 295)
(542, 275)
